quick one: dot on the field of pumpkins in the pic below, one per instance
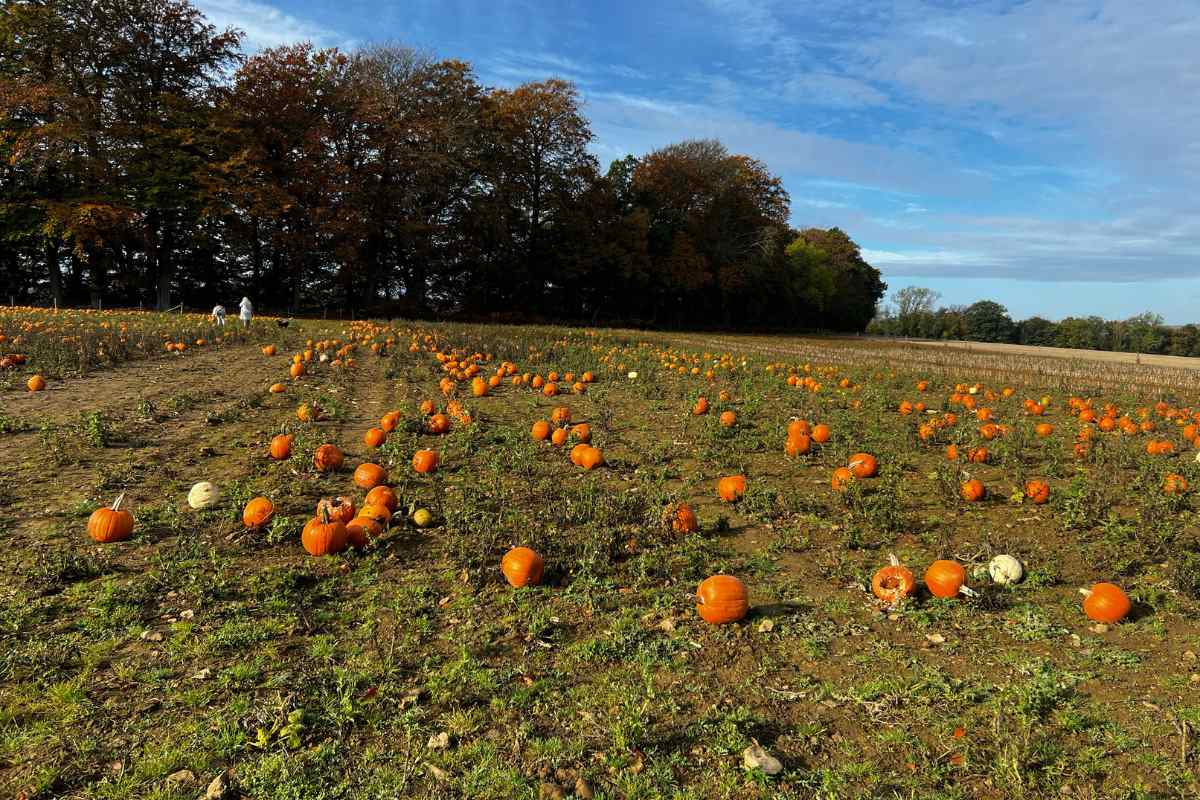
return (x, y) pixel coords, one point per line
(443, 560)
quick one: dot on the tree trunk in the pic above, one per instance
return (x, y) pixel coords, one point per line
(54, 271)
(164, 269)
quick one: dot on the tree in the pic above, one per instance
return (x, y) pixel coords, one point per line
(1037, 331)
(988, 321)
(914, 307)
(1184, 341)
(1145, 333)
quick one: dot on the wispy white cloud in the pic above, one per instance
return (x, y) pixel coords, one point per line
(267, 26)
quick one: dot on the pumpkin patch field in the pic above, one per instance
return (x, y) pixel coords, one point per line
(417, 560)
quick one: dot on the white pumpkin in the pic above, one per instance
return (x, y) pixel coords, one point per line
(204, 495)
(324, 357)
(1005, 569)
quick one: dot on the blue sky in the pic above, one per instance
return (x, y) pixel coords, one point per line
(1042, 154)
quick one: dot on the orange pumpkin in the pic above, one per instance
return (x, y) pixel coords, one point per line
(327, 458)
(731, 488)
(945, 578)
(893, 583)
(425, 461)
(522, 567)
(1105, 602)
(111, 524)
(797, 445)
(582, 432)
(561, 415)
(722, 599)
(972, 490)
(683, 520)
(1174, 484)
(559, 437)
(369, 475)
(728, 419)
(374, 437)
(842, 477)
(438, 424)
(389, 421)
(863, 465)
(1038, 491)
(540, 430)
(821, 433)
(323, 536)
(340, 509)
(383, 496)
(361, 530)
(258, 512)
(281, 447)
(590, 457)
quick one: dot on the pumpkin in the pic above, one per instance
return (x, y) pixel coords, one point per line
(281, 447)
(383, 496)
(269, 350)
(1044, 429)
(522, 567)
(863, 465)
(821, 433)
(204, 495)
(952, 452)
(361, 530)
(731, 488)
(728, 419)
(945, 578)
(336, 508)
(582, 432)
(369, 475)
(323, 536)
(797, 445)
(1005, 569)
(798, 427)
(374, 437)
(1105, 602)
(479, 387)
(721, 599)
(972, 490)
(258, 512)
(1037, 491)
(559, 437)
(112, 524)
(577, 453)
(978, 455)
(438, 424)
(842, 477)
(893, 583)
(389, 421)
(277, 388)
(327, 458)
(540, 430)
(380, 513)
(1174, 484)
(35, 384)
(296, 370)
(590, 457)
(561, 415)
(550, 389)
(426, 407)
(683, 519)
(307, 413)
(425, 461)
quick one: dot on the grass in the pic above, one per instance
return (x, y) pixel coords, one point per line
(413, 670)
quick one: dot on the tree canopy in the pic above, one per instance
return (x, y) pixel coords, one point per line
(144, 160)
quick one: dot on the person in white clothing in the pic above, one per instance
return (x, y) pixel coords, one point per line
(219, 314)
(247, 311)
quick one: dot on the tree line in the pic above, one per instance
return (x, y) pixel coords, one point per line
(912, 313)
(144, 160)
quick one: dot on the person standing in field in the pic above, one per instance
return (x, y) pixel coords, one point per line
(247, 311)
(219, 315)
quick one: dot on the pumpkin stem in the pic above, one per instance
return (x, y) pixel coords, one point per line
(323, 513)
(1085, 592)
(968, 591)
(116, 504)
(895, 562)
